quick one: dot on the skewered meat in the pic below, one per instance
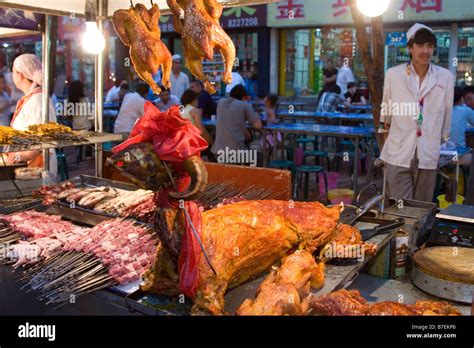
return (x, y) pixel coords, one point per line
(138, 29)
(350, 302)
(283, 292)
(24, 253)
(127, 250)
(35, 225)
(198, 23)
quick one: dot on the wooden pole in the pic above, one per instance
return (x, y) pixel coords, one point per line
(373, 60)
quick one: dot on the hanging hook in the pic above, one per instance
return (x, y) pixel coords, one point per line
(131, 3)
(152, 4)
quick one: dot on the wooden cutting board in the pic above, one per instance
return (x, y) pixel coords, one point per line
(449, 263)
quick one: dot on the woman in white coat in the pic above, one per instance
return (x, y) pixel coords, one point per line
(28, 77)
(416, 112)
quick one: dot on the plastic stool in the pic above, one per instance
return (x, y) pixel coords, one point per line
(62, 166)
(318, 154)
(306, 141)
(306, 171)
(281, 164)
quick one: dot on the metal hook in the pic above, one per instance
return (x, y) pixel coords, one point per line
(152, 4)
(131, 3)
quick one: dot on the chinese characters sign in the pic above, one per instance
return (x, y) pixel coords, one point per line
(423, 5)
(300, 13)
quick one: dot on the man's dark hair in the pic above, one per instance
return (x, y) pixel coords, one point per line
(188, 97)
(199, 82)
(330, 60)
(423, 36)
(351, 84)
(467, 90)
(238, 92)
(76, 92)
(458, 94)
(117, 82)
(164, 89)
(273, 99)
(142, 89)
(127, 87)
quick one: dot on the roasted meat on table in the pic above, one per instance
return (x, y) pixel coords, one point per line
(350, 302)
(241, 240)
(198, 23)
(284, 291)
(138, 29)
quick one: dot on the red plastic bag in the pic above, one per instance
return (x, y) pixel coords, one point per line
(173, 137)
(188, 262)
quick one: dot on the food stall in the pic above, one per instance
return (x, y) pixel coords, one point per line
(171, 234)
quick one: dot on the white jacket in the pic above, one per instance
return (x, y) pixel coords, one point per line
(401, 101)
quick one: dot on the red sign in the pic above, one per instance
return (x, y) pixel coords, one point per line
(340, 7)
(291, 9)
(423, 5)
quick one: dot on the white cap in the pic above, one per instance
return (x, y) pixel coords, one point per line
(177, 57)
(414, 29)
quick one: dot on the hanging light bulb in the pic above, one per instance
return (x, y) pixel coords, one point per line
(93, 41)
(373, 8)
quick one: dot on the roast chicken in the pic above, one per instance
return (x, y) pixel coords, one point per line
(285, 290)
(242, 240)
(138, 29)
(350, 302)
(198, 23)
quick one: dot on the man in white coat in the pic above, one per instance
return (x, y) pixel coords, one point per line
(416, 112)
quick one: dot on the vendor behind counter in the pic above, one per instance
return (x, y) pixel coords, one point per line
(28, 77)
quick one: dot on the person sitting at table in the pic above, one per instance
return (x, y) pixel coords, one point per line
(331, 99)
(233, 113)
(123, 90)
(112, 95)
(462, 115)
(27, 74)
(190, 112)
(81, 119)
(468, 95)
(131, 110)
(166, 100)
(270, 103)
(353, 96)
(205, 101)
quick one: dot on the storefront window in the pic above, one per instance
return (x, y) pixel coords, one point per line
(296, 62)
(465, 57)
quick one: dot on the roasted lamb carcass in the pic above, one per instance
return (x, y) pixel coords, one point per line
(138, 29)
(198, 23)
(350, 302)
(284, 291)
(241, 241)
